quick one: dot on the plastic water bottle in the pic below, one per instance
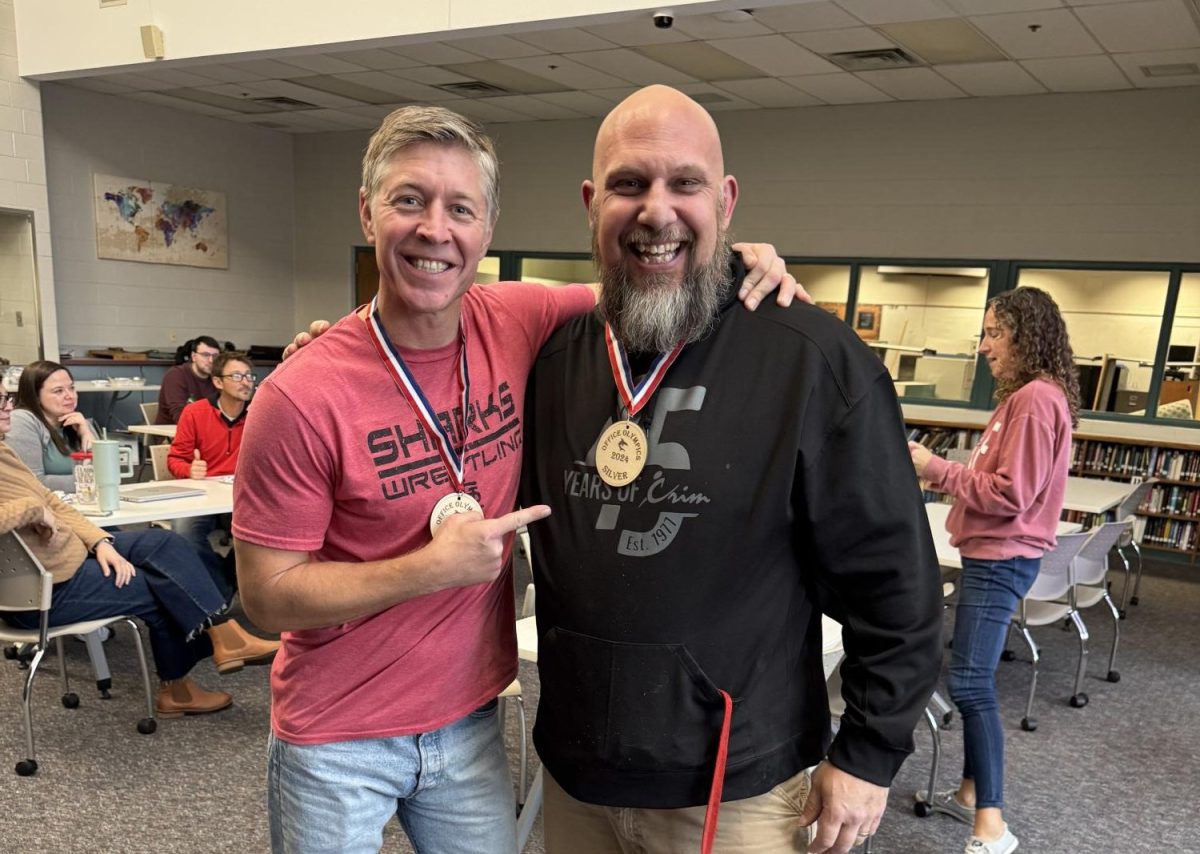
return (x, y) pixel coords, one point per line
(85, 478)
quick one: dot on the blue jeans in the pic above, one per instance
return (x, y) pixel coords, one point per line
(990, 592)
(173, 593)
(450, 789)
(195, 529)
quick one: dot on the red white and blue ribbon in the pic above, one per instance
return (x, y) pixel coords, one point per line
(411, 391)
(636, 395)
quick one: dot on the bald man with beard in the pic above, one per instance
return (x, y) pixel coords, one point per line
(718, 479)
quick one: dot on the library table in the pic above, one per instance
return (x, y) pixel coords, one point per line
(217, 498)
(947, 555)
(1089, 495)
(116, 389)
(167, 431)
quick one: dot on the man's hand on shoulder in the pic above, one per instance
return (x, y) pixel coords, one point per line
(767, 272)
(315, 330)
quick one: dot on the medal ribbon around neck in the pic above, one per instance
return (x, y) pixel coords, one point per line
(411, 391)
(635, 396)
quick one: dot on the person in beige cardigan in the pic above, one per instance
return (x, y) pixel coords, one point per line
(151, 574)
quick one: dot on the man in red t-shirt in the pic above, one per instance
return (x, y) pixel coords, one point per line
(206, 444)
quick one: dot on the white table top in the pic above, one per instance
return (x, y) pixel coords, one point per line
(527, 639)
(165, 430)
(1089, 495)
(947, 555)
(218, 498)
(112, 386)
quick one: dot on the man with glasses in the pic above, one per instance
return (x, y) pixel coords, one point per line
(207, 444)
(189, 381)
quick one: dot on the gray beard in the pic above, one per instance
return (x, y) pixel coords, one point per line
(650, 315)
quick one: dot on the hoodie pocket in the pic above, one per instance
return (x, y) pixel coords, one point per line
(633, 706)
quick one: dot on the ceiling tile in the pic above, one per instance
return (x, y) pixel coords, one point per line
(893, 11)
(991, 78)
(216, 99)
(482, 110)
(430, 75)
(767, 92)
(566, 72)
(777, 55)
(567, 40)
(141, 83)
(636, 33)
(700, 60)
(164, 100)
(177, 77)
(377, 59)
(989, 7)
(912, 84)
(948, 40)
(841, 41)
(231, 73)
(107, 85)
(1097, 2)
(535, 107)
(711, 27)
(264, 69)
(632, 66)
(841, 88)
(713, 99)
(1059, 33)
(805, 17)
(294, 89)
(396, 86)
(496, 47)
(615, 96)
(435, 54)
(1077, 73)
(348, 89)
(342, 119)
(583, 103)
(323, 64)
(1132, 64)
(1158, 25)
(514, 80)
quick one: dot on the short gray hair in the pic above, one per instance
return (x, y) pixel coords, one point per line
(409, 126)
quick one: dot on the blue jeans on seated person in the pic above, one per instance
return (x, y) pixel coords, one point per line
(450, 789)
(989, 595)
(195, 529)
(173, 593)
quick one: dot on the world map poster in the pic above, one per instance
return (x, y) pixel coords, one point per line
(160, 223)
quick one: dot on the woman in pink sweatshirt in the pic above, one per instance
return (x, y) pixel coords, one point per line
(1008, 499)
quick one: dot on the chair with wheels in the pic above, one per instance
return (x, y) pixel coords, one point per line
(1091, 582)
(26, 586)
(1125, 513)
(1051, 600)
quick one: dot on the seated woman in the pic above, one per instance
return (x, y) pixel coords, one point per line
(46, 426)
(152, 574)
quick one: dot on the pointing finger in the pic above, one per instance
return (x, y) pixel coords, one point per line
(512, 521)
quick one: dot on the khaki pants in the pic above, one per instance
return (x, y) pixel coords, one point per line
(765, 824)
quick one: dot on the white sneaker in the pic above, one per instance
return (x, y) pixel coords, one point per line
(1006, 844)
(946, 803)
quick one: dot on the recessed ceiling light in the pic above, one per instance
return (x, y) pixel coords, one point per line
(1174, 69)
(734, 16)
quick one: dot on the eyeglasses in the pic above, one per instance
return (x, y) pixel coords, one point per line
(201, 354)
(238, 377)
(7, 400)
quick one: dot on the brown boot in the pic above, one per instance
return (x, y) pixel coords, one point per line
(179, 697)
(234, 647)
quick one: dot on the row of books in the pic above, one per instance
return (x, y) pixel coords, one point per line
(1121, 460)
(939, 440)
(1180, 500)
(1169, 533)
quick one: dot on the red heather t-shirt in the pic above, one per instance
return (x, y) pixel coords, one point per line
(335, 463)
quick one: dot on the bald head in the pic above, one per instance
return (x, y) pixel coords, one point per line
(651, 112)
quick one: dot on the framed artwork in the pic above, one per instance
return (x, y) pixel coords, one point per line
(866, 321)
(159, 223)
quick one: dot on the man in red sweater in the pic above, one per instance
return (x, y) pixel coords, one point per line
(206, 444)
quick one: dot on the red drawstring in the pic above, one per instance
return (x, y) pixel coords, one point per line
(718, 780)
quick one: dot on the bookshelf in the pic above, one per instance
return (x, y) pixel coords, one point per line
(1168, 520)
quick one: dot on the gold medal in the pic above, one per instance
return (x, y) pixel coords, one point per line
(621, 453)
(448, 505)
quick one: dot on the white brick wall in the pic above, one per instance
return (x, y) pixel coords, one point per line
(23, 188)
(138, 305)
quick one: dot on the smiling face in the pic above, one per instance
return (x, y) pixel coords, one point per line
(430, 225)
(658, 201)
(234, 382)
(996, 346)
(57, 395)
